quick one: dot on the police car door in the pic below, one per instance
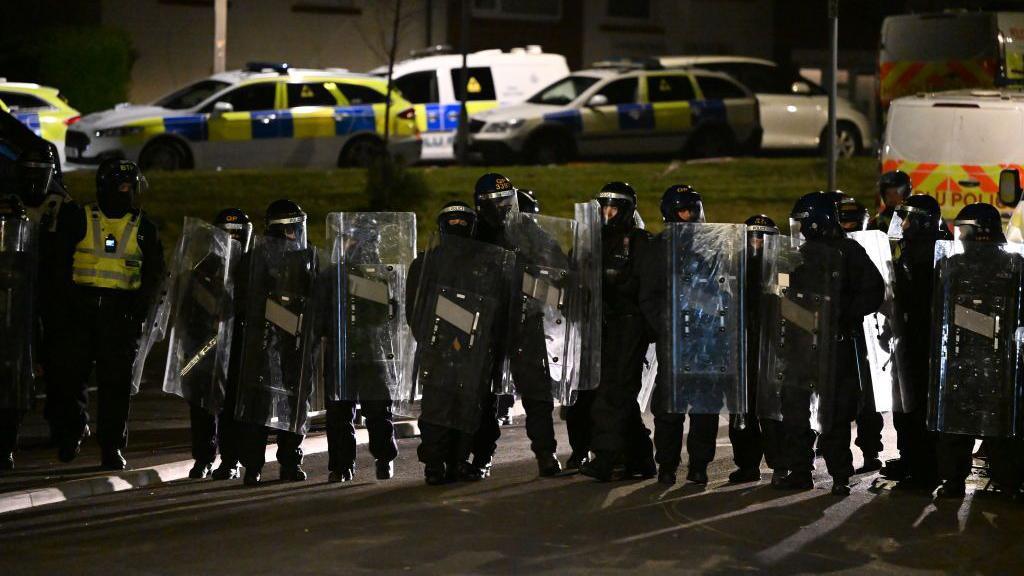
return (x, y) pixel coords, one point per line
(250, 133)
(314, 140)
(669, 96)
(612, 123)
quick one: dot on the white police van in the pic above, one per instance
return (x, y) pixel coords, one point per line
(430, 80)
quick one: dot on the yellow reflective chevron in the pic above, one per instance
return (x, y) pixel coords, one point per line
(954, 185)
(109, 255)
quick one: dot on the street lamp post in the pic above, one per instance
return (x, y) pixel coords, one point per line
(833, 17)
(220, 35)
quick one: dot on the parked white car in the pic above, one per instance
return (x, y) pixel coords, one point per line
(794, 110)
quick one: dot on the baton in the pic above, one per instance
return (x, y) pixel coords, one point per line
(198, 357)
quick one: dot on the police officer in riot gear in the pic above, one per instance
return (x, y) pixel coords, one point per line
(211, 432)
(495, 198)
(861, 292)
(679, 203)
(974, 381)
(447, 444)
(916, 225)
(853, 216)
(894, 187)
(614, 429)
(112, 253)
(750, 437)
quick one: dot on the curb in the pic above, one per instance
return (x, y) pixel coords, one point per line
(155, 475)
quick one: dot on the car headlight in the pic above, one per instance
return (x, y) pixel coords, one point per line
(504, 125)
(118, 132)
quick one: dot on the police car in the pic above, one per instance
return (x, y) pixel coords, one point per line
(430, 80)
(618, 109)
(41, 108)
(264, 115)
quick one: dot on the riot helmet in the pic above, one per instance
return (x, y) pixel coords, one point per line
(816, 215)
(36, 168)
(979, 222)
(286, 220)
(618, 205)
(758, 227)
(894, 187)
(457, 219)
(853, 216)
(919, 215)
(528, 202)
(119, 187)
(681, 203)
(495, 197)
(235, 222)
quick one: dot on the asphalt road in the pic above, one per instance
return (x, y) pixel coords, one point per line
(512, 523)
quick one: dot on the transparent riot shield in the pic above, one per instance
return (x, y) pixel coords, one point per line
(281, 350)
(588, 219)
(154, 330)
(462, 289)
(368, 337)
(649, 379)
(545, 318)
(976, 384)
(799, 318)
(706, 271)
(200, 318)
(879, 382)
(19, 251)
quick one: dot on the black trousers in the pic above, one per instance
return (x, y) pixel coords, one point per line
(341, 432)
(578, 423)
(254, 446)
(444, 445)
(773, 441)
(799, 437)
(101, 332)
(747, 441)
(700, 441)
(618, 426)
(869, 432)
(211, 433)
(916, 444)
(10, 423)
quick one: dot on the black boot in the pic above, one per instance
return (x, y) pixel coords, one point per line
(292, 473)
(200, 470)
(667, 475)
(385, 469)
(952, 489)
(743, 475)
(548, 465)
(644, 468)
(779, 477)
(601, 468)
(6, 461)
(226, 471)
(576, 461)
(252, 477)
(871, 464)
(795, 481)
(112, 459)
(698, 475)
(468, 473)
(894, 469)
(343, 475)
(435, 474)
(484, 466)
(840, 486)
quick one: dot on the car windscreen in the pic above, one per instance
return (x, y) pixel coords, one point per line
(563, 91)
(191, 95)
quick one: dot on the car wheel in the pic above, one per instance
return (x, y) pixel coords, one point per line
(163, 155)
(361, 152)
(848, 143)
(551, 148)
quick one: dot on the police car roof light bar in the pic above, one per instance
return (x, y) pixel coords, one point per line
(630, 64)
(279, 67)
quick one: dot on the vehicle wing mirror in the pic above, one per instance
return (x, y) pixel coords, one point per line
(222, 107)
(1009, 187)
(801, 87)
(597, 100)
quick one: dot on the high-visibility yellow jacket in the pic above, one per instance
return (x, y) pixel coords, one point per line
(109, 255)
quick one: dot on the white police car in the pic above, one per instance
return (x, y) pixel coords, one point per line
(265, 115)
(622, 109)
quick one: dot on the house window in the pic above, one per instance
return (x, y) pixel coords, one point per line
(549, 10)
(345, 7)
(629, 9)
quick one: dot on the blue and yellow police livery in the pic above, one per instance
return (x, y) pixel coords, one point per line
(623, 110)
(264, 115)
(41, 108)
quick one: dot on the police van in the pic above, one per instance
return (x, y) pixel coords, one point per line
(623, 109)
(43, 109)
(267, 114)
(950, 50)
(430, 80)
(955, 144)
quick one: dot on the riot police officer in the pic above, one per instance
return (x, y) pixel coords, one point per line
(860, 292)
(614, 429)
(916, 226)
(453, 365)
(853, 216)
(750, 437)
(213, 432)
(974, 363)
(280, 344)
(679, 203)
(112, 253)
(894, 187)
(495, 198)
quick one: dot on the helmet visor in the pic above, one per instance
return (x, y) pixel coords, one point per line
(291, 228)
(496, 206)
